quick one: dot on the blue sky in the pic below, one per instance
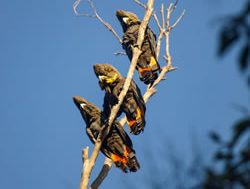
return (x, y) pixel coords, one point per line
(46, 57)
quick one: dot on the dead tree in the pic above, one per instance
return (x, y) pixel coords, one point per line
(165, 28)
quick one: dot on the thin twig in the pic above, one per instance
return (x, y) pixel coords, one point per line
(106, 24)
(173, 6)
(119, 53)
(157, 20)
(97, 16)
(140, 3)
(162, 30)
(166, 33)
(179, 18)
(158, 47)
(162, 15)
(88, 167)
(75, 6)
(169, 12)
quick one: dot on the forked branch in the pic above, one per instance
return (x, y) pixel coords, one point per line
(165, 69)
(164, 30)
(95, 15)
(136, 53)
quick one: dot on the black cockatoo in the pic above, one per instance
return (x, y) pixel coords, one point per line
(133, 104)
(117, 145)
(147, 64)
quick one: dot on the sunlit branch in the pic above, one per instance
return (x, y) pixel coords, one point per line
(97, 16)
(165, 69)
(136, 53)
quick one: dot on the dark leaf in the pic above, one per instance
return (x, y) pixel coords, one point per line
(244, 57)
(215, 137)
(242, 125)
(245, 154)
(228, 36)
(222, 156)
(239, 129)
(248, 81)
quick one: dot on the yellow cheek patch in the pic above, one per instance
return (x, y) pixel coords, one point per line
(112, 79)
(138, 117)
(152, 61)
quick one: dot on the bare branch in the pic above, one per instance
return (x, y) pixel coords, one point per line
(161, 28)
(164, 31)
(149, 93)
(140, 3)
(85, 164)
(167, 53)
(88, 164)
(172, 6)
(157, 20)
(169, 11)
(154, 13)
(75, 5)
(178, 20)
(167, 68)
(119, 53)
(102, 175)
(85, 154)
(162, 16)
(106, 24)
(136, 53)
(97, 16)
(159, 39)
